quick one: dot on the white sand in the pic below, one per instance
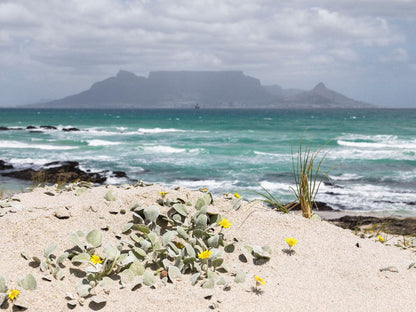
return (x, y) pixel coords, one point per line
(326, 273)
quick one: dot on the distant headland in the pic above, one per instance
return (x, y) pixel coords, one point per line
(199, 89)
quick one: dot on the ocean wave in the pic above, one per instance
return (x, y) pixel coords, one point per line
(158, 130)
(101, 143)
(370, 154)
(17, 144)
(266, 154)
(371, 198)
(163, 149)
(346, 177)
(376, 141)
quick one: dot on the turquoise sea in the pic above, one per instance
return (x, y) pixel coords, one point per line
(373, 151)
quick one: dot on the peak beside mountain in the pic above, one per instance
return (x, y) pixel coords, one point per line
(207, 89)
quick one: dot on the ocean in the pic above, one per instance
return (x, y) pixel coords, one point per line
(372, 153)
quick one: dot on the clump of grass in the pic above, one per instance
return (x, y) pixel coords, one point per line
(306, 167)
(269, 199)
(307, 179)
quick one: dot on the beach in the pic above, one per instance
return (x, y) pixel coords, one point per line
(329, 269)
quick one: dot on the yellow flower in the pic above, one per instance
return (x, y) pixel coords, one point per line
(179, 245)
(13, 294)
(163, 194)
(96, 259)
(225, 223)
(205, 254)
(259, 280)
(204, 190)
(291, 241)
(381, 239)
(237, 195)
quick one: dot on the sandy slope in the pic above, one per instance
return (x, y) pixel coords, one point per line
(328, 272)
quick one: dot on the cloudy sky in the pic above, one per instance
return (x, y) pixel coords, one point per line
(364, 49)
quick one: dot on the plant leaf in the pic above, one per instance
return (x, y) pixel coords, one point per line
(151, 213)
(28, 282)
(174, 273)
(3, 286)
(81, 258)
(181, 209)
(95, 238)
(49, 250)
(148, 278)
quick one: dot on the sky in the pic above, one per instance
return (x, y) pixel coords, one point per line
(364, 49)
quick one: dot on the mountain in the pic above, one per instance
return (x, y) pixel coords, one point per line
(322, 97)
(207, 89)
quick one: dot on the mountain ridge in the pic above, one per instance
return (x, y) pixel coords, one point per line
(206, 89)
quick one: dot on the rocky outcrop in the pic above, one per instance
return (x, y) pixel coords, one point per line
(4, 165)
(58, 172)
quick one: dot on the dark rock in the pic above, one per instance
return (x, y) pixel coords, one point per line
(4, 165)
(48, 127)
(320, 206)
(391, 225)
(70, 129)
(35, 131)
(119, 174)
(30, 127)
(6, 128)
(57, 172)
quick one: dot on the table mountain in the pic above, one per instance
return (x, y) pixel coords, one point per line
(205, 89)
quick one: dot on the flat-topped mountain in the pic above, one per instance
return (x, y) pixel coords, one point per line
(206, 89)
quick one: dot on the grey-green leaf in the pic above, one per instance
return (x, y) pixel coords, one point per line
(95, 238)
(137, 268)
(240, 277)
(62, 258)
(148, 278)
(174, 273)
(209, 283)
(201, 222)
(151, 213)
(236, 202)
(168, 237)
(28, 282)
(75, 239)
(140, 252)
(80, 258)
(111, 195)
(49, 250)
(194, 278)
(217, 262)
(213, 241)
(182, 233)
(110, 252)
(84, 290)
(181, 209)
(106, 283)
(126, 276)
(190, 250)
(127, 227)
(199, 203)
(3, 286)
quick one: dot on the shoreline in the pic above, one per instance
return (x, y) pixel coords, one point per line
(347, 219)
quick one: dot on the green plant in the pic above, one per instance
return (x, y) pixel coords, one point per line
(269, 199)
(308, 175)
(28, 282)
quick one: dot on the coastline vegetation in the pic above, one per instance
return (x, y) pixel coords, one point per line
(308, 176)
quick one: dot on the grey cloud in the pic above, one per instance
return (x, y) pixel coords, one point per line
(269, 39)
